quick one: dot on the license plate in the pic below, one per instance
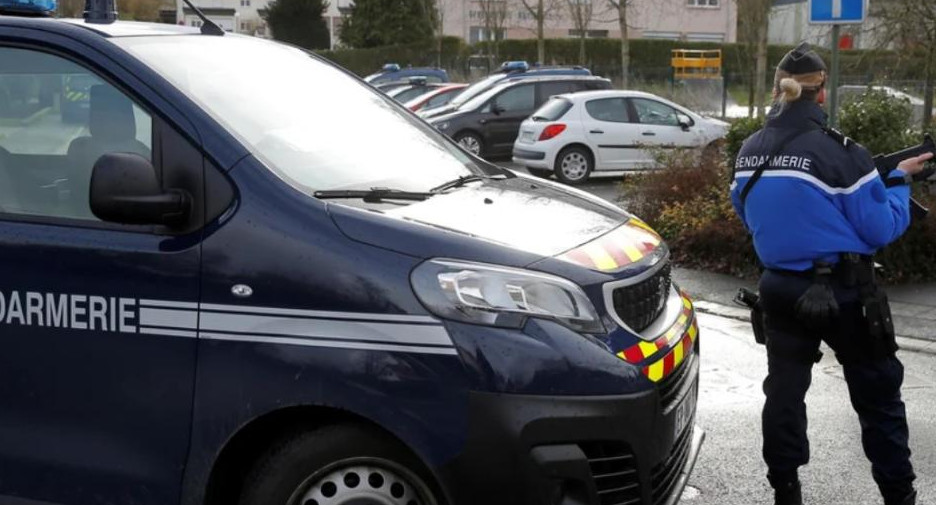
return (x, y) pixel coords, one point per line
(684, 411)
(526, 137)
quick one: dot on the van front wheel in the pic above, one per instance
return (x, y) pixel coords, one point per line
(337, 465)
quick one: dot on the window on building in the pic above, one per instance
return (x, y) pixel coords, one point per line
(481, 34)
(702, 3)
(590, 34)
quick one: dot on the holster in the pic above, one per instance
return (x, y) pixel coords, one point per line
(858, 272)
(751, 300)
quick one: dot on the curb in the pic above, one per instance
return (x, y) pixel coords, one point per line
(906, 343)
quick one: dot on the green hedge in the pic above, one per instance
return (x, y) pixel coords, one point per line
(650, 59)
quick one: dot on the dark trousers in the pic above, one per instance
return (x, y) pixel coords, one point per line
(874, 381)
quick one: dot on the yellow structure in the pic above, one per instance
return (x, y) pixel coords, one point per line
(697, 64)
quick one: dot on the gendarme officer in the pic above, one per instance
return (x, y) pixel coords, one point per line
(817, 210)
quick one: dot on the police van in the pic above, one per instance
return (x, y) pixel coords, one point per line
(223, 288)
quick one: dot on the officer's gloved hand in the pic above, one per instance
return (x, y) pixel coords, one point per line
(817, 307)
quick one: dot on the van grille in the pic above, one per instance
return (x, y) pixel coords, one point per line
(614, 469)
(638, 305)
(665, 475)
(670, 387)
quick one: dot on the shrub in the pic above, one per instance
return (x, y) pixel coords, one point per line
(689, 205)
(878, 121)
(740, 130)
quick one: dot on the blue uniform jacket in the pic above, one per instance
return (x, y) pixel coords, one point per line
(818, 197)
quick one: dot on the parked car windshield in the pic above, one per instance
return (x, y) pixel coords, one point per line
(308, 121)
(476, 89)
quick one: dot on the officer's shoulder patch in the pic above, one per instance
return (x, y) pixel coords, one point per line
(839, 137)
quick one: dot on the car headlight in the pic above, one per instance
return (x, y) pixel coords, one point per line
(500, 296)
(442, 126)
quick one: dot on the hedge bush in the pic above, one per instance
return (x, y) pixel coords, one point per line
(650, 59)
(689, 203)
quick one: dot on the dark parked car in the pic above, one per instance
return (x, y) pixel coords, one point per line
(393, 72)
(488, 124)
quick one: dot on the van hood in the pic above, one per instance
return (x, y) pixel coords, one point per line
(516, 221)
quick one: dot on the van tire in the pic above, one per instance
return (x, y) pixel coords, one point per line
(334, 463)
(574, 165)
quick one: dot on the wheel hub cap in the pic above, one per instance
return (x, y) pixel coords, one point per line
(574, 166)
(471, 144)
(361, 485)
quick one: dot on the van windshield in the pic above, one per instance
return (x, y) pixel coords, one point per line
(308, 121)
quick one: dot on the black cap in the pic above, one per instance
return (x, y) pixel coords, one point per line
(802, 60)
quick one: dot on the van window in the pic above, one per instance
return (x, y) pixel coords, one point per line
(56, 119)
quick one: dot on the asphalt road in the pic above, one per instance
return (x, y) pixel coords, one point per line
(730, 469)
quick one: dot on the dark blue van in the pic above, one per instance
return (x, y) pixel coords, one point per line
(392, 72)
(219, 288)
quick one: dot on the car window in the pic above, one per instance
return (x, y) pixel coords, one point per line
(613, 110)
(552, 110)
(516, 99)
(653, 112)
(409, 94)
(56, 119)
(549, 89)
(442, 98)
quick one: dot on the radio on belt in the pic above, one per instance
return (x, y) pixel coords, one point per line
(220, 284)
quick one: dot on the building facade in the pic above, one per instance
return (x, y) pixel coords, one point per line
(689, 20)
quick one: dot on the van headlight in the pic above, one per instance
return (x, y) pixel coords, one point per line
(500, 296)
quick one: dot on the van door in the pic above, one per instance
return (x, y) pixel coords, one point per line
(97, 320)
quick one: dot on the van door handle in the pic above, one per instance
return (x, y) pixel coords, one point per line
(649, 134)
(596, 131)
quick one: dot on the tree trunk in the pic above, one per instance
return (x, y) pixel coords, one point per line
(928, 88)
(540, 37)
(582, 48)
(760, 72)
(625, 43)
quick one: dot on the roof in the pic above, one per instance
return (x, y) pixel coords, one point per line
(116, 29)
(606, 93)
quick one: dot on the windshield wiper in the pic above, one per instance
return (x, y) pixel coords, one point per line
(373, 195)
(462, 180)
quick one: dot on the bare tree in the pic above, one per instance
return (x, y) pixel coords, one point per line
(494, 16)
(755, 15)
(435, 9)
(910, 27)
(620, 6)
(582, 13)
(540, 10)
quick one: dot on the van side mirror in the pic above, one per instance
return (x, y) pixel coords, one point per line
(497, 109)
(684, 121)
(124, 189)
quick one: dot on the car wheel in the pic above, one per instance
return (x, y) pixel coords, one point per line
(573, 165)
(471, 142)
(540, 172)
(337, 465)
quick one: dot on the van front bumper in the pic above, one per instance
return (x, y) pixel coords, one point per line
(563, 450)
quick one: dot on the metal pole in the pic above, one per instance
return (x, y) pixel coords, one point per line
(834, 78)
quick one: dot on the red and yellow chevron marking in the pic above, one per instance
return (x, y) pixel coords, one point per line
(626, 244)
(678, 340)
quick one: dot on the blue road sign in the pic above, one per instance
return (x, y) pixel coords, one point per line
(837, 12)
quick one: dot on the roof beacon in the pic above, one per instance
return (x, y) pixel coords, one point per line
(102, 12)
(209, 27)
(27, 7)
(515, 66)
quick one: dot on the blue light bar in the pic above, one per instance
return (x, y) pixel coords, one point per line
(391, 67)
(510, 66)
(34, 7)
